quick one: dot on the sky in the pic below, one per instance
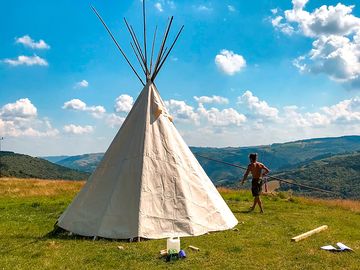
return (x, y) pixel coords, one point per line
(242, 72)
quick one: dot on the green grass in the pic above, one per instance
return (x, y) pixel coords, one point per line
(261, 242)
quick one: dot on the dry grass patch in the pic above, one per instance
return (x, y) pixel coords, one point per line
(352, 205)
(15, 187)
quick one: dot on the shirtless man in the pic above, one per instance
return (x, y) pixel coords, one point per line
(257, 170)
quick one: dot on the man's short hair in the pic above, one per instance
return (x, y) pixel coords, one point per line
(253, 156)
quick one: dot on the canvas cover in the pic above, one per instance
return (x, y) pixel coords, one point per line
(149, 184)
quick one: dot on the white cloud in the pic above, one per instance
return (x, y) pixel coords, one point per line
(231, 8)
(82, 84)
(75, 104)
(326, 20)
(336, 46)
(274, 11)
(259, 107)
(336, 56)
(230, 62)
(74, 129)
(162, 5)
(22, 108)
(204, 8)
(225, 117)
(27, 41)
(181, 111)
(114, 121)
(212, 99)
(27, 61)
(345, 111)
(96, 111)
(283, 27)
(159, 6)
(79, 105)
(124, 103)
(20, 119)
(293, 118)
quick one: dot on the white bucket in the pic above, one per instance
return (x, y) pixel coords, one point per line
(173, 243)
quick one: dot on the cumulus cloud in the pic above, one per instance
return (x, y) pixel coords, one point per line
(181, 111)
(336, 56)
(212, 99)
(345, 111)
(124, 103)
(79, 105)
(278, 23)
(259, 107)
(75, 104)
(20, 118)
(293, 118)
(27, 41)
(22, 108)
(26, 60)
(114, 121)
(78, 130)
(336, 34)
(230, 62)
(82, 84)
(225, 117)
(326, 20)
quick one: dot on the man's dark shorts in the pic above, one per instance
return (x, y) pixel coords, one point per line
(256, 186)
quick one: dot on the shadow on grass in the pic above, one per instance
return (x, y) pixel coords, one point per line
(60, 233)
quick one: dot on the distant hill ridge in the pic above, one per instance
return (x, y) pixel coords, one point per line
(339, 173)
(24, 166)
(277, 156)
(301, 161)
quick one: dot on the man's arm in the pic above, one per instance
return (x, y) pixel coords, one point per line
(266, 170)
(245, 175)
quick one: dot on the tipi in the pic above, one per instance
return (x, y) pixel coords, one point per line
(149, 184)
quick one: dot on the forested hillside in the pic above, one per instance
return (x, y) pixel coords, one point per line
(23, 166)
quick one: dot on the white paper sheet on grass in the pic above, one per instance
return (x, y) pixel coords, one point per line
(341, 246)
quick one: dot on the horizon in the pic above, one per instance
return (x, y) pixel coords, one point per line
(296, 78)
(194, 146)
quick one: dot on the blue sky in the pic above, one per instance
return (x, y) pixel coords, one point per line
(242, 72)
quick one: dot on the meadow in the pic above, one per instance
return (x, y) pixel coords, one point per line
(29, 209)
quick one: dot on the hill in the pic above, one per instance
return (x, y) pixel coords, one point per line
(339, 173)
(277, 156)
(18, 165)
(262, 241)
(54, 159)
(85, 163)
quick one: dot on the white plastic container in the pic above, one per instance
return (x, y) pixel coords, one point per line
(173, 243)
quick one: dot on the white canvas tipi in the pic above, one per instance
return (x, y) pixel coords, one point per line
(149, 184)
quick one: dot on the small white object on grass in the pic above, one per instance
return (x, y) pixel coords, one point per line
(120, 247)
(329, 248)
(343, 247)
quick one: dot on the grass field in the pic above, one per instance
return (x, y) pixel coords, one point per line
(29, 208)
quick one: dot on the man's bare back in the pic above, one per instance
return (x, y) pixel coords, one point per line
(256, 169)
